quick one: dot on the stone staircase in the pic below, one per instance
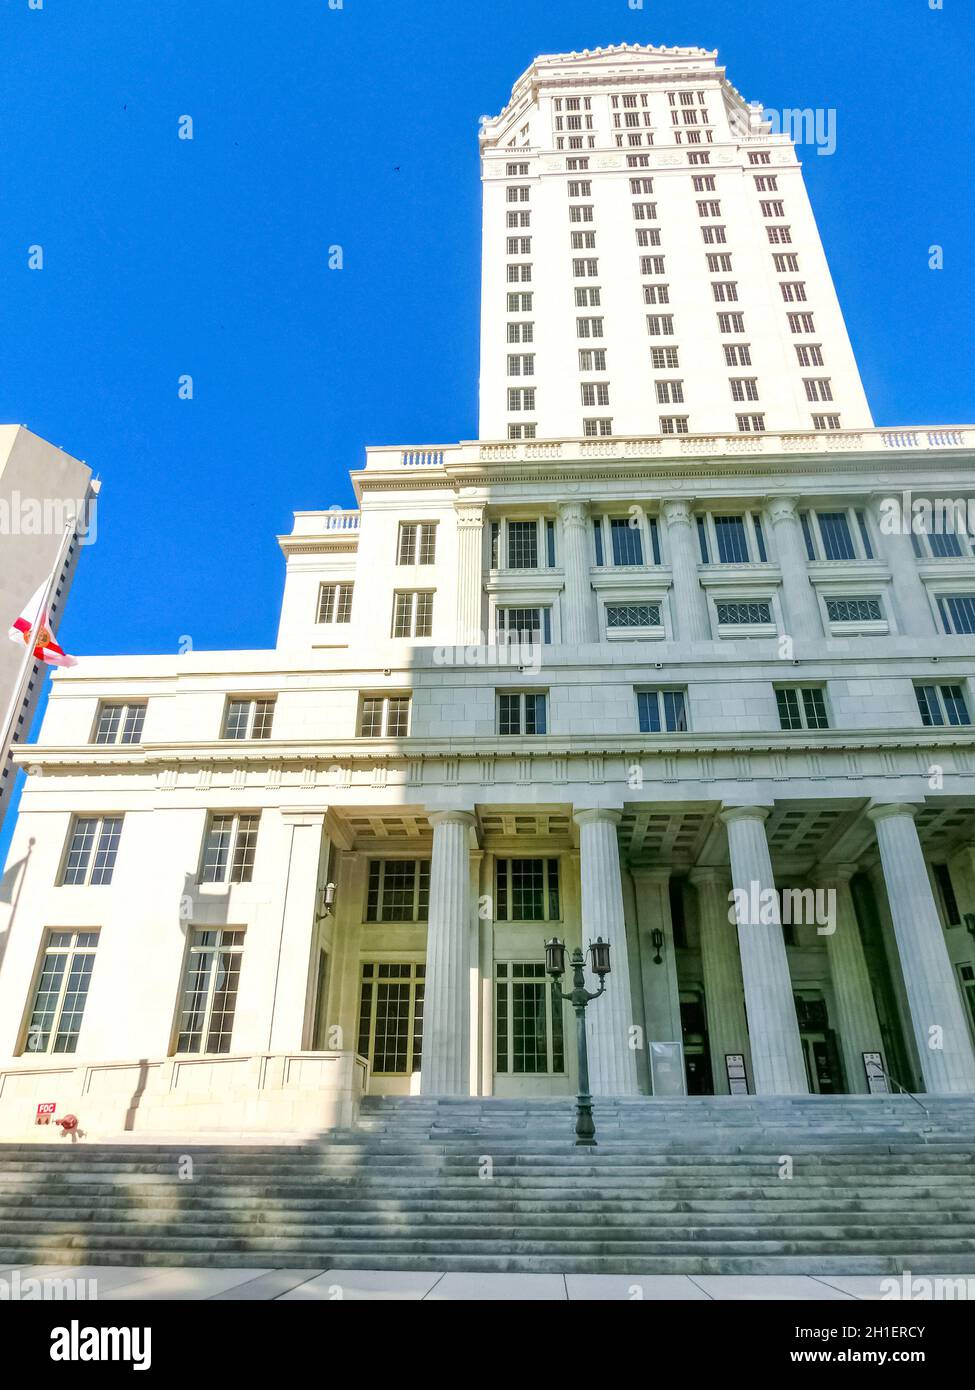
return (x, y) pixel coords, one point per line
(877, 1185)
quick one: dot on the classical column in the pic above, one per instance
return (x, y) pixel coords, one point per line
(446, 1005)
(690, 602)
(661, 997)
(801, 606)
(940, 1029)
(910, 595)
(578, 619)
(292, 1004)
(777, 1060)
(856, 1013)
(612, 1063)
(470, 559)
(723, 990)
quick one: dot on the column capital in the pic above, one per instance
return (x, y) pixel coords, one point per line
(782, 508)
(298, 816)
(469, 514)
(465, 818)
(709, 873)
(888, 810)
(676, 511)
(574, 513)
(651, 873)
(736, 813)
(594, 815)
(834, 873)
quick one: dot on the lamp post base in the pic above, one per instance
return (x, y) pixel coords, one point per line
(585, 1125)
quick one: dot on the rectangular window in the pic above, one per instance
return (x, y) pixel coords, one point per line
(775, 208)
(780, 236)
(522, 712)
(412, 614)
(335, 603)
(627, 542)
(527, 890)
(228, 848)
(648, 236)
(785, 261)
(725, 291)
(652, 265)
(751, 424)
(521, 364)
(818, 388)
(854, 610)
(247, 719)
(592, 359)
(670, 392)
(662, 711)
(59, 1001)
(941, 705)
(390, 1030)
(208, 999)
(522, 545)
(595, 393)
(662, 358)
(593, 429)
(528, 626)
(801, 707)
(521, 332)
(384, 716)
(674, 424)
(520, 303)
(737, 354)
(120, 723)
(417, 543)
(660, 325)
(732, 540)
(809, 354)
(398, 890)
(801, 323)
(714, 235)
(957, 613)
(92, 850)
(731, 323)
(589, 328)
(625, 615)
(709, 208)
(744, 388)
(529, 1034)
(656, 294)
(744, 614)
(521, 398)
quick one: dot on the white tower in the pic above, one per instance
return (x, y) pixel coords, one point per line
(651, 263)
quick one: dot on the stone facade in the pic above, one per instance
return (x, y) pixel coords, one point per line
(701, 695)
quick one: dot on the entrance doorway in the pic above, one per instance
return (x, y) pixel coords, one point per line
(697, 1054)
(824, 1066)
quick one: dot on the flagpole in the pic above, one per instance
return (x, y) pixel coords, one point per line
(20, 689)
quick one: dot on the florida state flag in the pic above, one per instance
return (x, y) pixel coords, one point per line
(33, 629)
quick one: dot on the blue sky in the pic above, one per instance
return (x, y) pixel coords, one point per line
(357, 126)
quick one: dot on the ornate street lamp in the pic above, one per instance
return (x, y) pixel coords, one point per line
(579, 998)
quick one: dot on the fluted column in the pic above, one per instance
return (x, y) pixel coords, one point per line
(943, 1042)
(910, 596)
(612, 1061)
(777, 1060)
(470, 558)
(723, 990)
(856, 1013)
(578, 618)
(446, 1008)
(802, 608)
(690, 602)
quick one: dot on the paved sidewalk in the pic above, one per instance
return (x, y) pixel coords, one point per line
(108, 1283)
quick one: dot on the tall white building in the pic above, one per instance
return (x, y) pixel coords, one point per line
(43, 491)
(647, 270)
(566, 686)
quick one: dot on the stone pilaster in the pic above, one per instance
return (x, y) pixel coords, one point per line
(444, 1069)
(661, 998)
(777, 1060)
(723, 989)
(856, 1013)
(690, 603)
(612, 1063)
(937, 1013)
(578, 617)
(801, 606)
(470, 552)
(910, 597)
(292, 1002)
